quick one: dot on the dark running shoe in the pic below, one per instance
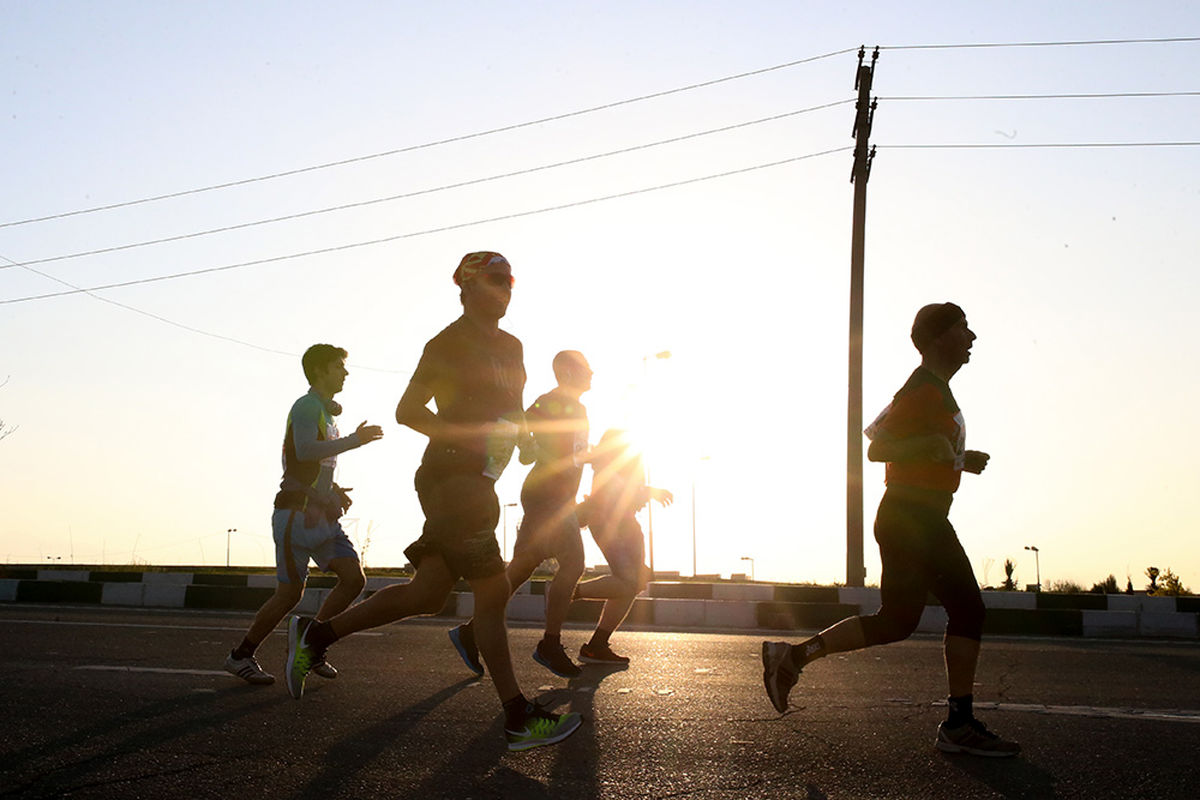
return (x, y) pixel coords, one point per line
(463, 639)
(542, 728)
(325, 670)
(974, 738)
(779, 675)
(601, 654)
(555, 659)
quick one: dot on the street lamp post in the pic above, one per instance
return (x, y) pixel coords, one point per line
(504, 511)
(751, 560)
(227, 535)
(661, 356)
(702, 458)
(1037, 560)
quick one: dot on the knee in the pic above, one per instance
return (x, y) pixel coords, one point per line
(966, 619)
(354, 581)
(289, 594)
(888, 626)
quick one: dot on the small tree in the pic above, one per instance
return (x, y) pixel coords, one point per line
(1128, 585)
(1009, 567)
(1106, 586)
(1152, 574)
(1171, 585)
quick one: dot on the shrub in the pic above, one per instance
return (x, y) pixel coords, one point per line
(1065, 587)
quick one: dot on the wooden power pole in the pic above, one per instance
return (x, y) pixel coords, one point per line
(864, 153)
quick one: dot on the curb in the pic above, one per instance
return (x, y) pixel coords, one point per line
(671, 605)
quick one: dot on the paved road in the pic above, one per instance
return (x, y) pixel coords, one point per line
(119, 703)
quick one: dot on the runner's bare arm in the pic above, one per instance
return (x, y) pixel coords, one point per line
(930, 447)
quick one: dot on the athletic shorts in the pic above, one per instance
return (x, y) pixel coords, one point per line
(296, 544)
(623, 546)
(461, 514)
(548, 529)
(920, 553)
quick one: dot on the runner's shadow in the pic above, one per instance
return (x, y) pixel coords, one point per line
(348, 757)
(1010, 777)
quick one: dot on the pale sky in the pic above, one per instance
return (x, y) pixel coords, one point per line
(139, 441)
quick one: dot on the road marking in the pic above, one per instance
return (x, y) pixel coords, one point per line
(241, 629)
(1160, 715)
(158, 670)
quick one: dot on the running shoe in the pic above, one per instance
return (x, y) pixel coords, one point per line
(248, 669)
(542, 728)
(601, 654)
(301, 657)
(974, 738)
(779, 674)
(325, 670)
(463, 639)
(555, 659)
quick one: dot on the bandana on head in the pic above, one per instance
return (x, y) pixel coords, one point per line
(486, 262)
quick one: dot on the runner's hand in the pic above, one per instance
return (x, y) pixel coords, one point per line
(975, 461)
(664, 497)
(367, 433)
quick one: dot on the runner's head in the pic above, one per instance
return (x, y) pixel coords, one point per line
(941, 335)
(325, 368)
(486, 281)
(572, 371)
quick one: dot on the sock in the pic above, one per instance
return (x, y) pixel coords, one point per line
(551, 640)
(807, 651)
(245, 649)
(960, 710)
(320, 635)
(515, 711)
(600, 638)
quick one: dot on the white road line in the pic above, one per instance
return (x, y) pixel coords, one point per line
(1156, 714)
(240, 629)
(159, 670)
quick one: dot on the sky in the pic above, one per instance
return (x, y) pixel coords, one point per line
(144, 421)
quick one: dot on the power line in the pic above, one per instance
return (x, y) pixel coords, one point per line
(437, 143)
(171, 322)
(1076, 43)
(414, 234)
(1014, 145)
(420, 192)
(1072, 96)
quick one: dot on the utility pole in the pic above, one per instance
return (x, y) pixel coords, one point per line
(864, 153)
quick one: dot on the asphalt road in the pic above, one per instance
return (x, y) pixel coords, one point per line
(129, 703)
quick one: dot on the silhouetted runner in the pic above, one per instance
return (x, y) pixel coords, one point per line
(549, 529)
(619, 491)
(475, 373)
(921, 437)
(307, 509)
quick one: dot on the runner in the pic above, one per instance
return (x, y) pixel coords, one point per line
(921, 437)
(475, 373)
(549, 529)
(619, 491)
(307, 509)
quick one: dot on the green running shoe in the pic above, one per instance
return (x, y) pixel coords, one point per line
(542, 728)
(301, 657)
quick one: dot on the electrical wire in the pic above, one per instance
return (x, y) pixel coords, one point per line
(1068, 43)
(1072, 96)
(426, 145)
(428, 231)
(1031, 145)
(420, 192)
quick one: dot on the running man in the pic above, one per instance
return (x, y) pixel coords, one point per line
(619, 491)
(475, 373)
(307, 508)
(549, 529)
(921, 438)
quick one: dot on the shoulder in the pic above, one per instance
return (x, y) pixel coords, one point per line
(307, 407)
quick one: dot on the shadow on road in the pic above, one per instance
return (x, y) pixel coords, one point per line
(1010, 777)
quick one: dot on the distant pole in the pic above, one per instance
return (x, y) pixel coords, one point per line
(751, 560)
(1037, 560)
(504, 525)
(227, 536)
(863, 155)
(661, 355)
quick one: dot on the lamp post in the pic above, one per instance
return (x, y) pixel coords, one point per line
(504, 511)
(702, 458)
(661, 355)
(751, 560)
(1037, 560)
(227, 535)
